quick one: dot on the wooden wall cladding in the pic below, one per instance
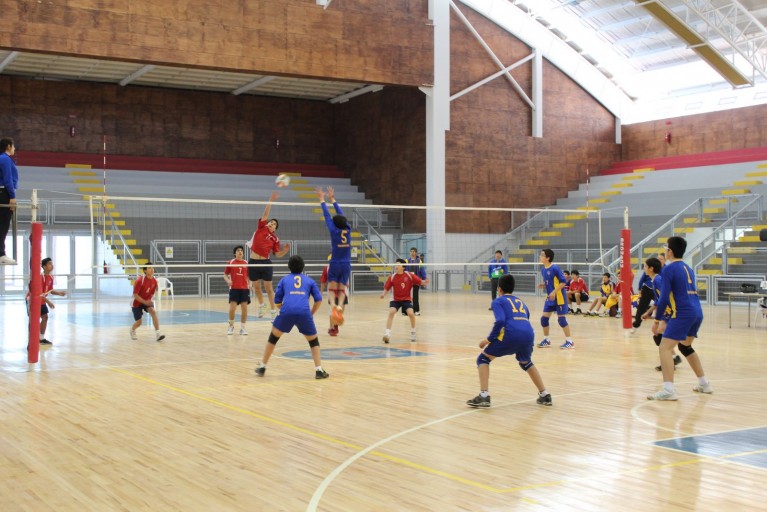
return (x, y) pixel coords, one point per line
(492, 159)
(382, 41)
(146, 121)
(738, 128)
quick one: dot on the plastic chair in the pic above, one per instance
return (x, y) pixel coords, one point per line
(164, 285)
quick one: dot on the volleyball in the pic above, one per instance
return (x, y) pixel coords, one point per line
(337, 315)
(282, 180)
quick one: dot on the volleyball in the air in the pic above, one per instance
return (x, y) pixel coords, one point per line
(282, 180)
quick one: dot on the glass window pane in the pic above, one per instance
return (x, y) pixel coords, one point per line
(83, 262)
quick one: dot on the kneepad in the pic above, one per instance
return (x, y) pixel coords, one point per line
(273, 339)
(656, 338)
(482, 359)
(314, 343)
(686, 350)
(526, 366)
(544, 321)
(562, 321)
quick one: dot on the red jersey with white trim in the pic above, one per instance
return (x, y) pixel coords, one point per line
(239, 274)
(144, 288)
(402, 284)
(46, 285)
(264, 241)
(578, 285)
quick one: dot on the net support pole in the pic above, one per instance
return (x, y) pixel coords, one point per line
(627, 277)
(35, 285)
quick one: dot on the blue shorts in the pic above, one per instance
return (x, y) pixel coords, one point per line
(239, 296)
(138, 312)
(551, 305)
(679, 329)
(304, 321)
(521, 345)
(260, 273)
(404, 304)
(339, 272)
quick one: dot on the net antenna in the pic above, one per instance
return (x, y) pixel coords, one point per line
(587, 219)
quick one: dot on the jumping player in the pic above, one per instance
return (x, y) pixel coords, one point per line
(679, 292)
(511, 334)
(236, 276)
(340, 267)
(264, 242)
(292, 297)
(556, 300)
(143, 292)
(403, 283)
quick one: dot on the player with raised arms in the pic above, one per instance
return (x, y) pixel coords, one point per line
(262, 244)
(340, 266)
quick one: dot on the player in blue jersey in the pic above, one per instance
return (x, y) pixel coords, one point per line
(340, 267)
(292, 298)
(653, 268)
(678, 292)
(511, 334)
(556, 299)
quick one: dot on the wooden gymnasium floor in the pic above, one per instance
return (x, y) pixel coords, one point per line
(105, 423)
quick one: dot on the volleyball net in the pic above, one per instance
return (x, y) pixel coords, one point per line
(190, 241)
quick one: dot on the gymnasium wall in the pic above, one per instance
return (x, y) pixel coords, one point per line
(377, 139)
(382, 41)
(735, 129)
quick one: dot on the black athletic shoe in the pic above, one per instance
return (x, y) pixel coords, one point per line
(677, 359)
(321, 374)
(260, 371)
(479, 401)
(544, 400)
(43, 341)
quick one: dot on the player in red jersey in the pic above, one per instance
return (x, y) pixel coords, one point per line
(577, 292)
(143, 293)
(402, 282)
(46, 303)
(264, 242)
(236, 276)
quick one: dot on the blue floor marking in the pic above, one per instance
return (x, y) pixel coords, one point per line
(353, 353)
(738, 446)
(120, 319)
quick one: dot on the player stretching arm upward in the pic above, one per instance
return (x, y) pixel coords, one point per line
(264, 242)
(340, 267)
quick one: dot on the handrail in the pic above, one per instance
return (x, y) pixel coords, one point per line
(612, 266)
(115, 230)
(360, 219)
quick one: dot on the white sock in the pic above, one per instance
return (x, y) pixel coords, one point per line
(669, 386)
(703, 381)
(318, 368)
(242, 326)
(484, 394)
(543, 393)
(388, 331)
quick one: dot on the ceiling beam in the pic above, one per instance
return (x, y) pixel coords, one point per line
(349, 95)
(252, 85)
(7, 60)
(696, 43)
(136, 74)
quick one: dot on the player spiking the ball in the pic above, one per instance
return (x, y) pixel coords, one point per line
(340, 266)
